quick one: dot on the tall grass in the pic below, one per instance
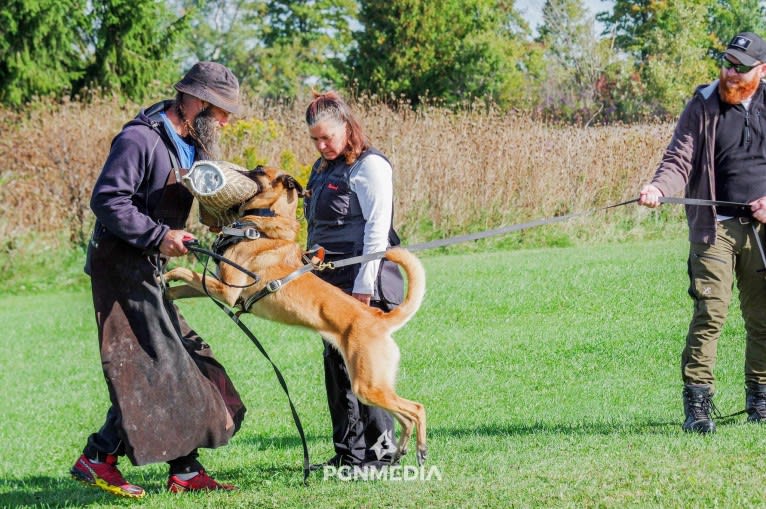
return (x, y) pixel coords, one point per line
(455, 171)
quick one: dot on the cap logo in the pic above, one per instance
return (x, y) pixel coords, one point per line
(740, 42)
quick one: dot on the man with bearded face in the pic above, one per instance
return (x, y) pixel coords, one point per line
(169, 396)
(718, 152)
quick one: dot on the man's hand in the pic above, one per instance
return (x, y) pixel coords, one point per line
(173, 243)
(649, 196)
(758, 207)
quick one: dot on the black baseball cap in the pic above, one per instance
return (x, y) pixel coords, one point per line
(748, 48)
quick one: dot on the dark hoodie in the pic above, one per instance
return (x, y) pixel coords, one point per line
(128, 190)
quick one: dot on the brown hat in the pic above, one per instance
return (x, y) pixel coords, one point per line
(214, 83)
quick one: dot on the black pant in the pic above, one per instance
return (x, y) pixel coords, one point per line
(107, 441)
(360, 433)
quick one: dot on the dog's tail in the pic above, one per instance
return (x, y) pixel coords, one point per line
(416, 286)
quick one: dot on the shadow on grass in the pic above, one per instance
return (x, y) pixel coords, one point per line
(63, 491)
(573, 428)
(42, 491)
(263, 442)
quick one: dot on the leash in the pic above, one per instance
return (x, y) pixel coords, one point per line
(523, 226)
(193, 246)
(472, 236)
(699, 202)
(273, 286)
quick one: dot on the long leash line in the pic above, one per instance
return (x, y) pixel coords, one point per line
(523, 226)
(194, 247)
(475, 236)
(198, 251)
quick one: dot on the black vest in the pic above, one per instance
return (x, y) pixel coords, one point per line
(335, 222)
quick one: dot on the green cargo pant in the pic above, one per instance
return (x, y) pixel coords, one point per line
(711, 272)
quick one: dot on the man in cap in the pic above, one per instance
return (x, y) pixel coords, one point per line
(169, 396)
(718, 152)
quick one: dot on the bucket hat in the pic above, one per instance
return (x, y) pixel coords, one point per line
(214, 83)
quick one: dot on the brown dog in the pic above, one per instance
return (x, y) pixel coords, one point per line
(362, 334)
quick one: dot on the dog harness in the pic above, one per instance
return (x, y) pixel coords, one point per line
(247, 230)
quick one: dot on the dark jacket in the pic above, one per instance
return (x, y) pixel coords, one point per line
(335, 222)
(131, 183)
(689, 161)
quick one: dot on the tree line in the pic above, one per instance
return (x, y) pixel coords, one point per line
(644, 64)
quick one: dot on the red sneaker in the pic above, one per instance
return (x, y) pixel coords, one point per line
(105, 476)
(200, 482)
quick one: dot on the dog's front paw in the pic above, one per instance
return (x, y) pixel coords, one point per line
(172, 275)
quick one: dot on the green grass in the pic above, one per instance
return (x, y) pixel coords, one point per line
(550, 377)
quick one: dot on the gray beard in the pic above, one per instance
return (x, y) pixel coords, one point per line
(207, 135)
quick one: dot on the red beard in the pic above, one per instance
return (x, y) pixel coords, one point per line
(734, 90)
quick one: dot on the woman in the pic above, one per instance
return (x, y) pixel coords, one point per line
(349, 210)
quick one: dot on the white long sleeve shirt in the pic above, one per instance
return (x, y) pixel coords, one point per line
(372, 181)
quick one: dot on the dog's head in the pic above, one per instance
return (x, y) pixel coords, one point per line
(277, 191)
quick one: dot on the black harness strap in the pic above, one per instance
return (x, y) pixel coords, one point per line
(192, 246)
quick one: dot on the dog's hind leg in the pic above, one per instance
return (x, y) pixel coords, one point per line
(372, 362)
(410, 415)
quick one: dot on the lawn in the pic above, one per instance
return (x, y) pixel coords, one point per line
(550, 378)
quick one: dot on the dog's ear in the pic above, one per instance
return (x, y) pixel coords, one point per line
(290, 183)
(253, 174)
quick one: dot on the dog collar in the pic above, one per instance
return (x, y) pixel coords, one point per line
(259, 212)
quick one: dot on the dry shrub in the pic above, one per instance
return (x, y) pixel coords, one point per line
(455, 172)
(50, 157)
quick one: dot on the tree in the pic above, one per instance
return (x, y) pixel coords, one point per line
(58, 47)
(40, 47)
(133, 44)
(276, 47)
(316, 32)
(729, 17)
(575, 60)
(668, 44)
(448, 49)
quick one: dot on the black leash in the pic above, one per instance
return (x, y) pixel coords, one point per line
(193, 246)
(523, 226)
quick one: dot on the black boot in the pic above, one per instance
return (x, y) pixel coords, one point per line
(698, 405)
(755, 402)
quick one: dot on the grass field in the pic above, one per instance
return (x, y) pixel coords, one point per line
(550, 377)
